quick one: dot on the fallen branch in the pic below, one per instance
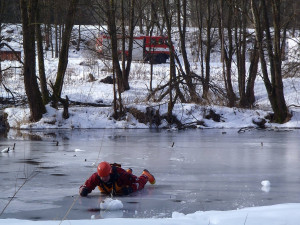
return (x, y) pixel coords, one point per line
(293, 105)
(89, 104)
(8, 91)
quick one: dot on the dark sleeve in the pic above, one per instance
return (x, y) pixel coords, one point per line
(125, 178)
(92, 182)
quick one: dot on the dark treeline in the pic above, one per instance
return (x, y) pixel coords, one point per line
(220, 26)
(52, 11)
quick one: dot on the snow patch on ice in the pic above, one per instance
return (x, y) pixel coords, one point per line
(266, 183)
(266, 186)
(111, 204)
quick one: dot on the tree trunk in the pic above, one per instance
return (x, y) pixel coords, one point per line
(64, 52)
(124, 84)
(275, 86)
(37, 108)
(130, 45)
(152, 23)
(282, 113)
(112, 30)
(56, 41)
(79, 38)
(40, 51)
(2, 10)
(227, 54)
(172, 59)
(200, 41)
(240, 34)
(206, 79)
(182, 34)
(249, 95)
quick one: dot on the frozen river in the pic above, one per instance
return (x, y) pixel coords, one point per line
(195, 170)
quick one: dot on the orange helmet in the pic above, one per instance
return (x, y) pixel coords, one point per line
(104, 169)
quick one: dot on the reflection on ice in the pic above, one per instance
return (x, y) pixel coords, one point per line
(266, 188)
(105, 214)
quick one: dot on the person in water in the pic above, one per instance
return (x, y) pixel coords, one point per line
(111, 179)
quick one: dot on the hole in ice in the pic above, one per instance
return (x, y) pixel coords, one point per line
(35, 218)
(176, 200)
(47, 167)
(94, 210)
(58, 174)
(29, 161)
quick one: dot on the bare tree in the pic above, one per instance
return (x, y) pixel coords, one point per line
(41, 64)
(64, 52)
(2, 10)
(200, 25)
(273, 44)
(111, 11)
(242, 36)
(131, 22)
(182, 16)
(112, 30)
(168, 19)
(249, 97)
(227, 48)
(28, 12)
(209, 19)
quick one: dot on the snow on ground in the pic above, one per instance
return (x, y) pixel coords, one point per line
(283, 214)
(77, 88)
(95, 117)
(91, 117)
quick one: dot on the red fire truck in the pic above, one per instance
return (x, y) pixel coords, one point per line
(154, 49)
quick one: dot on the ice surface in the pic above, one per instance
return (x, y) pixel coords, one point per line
(203, 170)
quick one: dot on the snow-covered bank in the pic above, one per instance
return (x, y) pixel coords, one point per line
(91, 117)
(287, 214)
(77, 88)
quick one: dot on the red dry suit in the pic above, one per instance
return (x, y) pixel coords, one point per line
(120, 183)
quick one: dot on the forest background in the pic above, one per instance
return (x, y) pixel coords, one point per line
(249, 38)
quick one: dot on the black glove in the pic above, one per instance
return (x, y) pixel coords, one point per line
(127, 190)
(83, 191)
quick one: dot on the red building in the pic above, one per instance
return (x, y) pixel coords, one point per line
(10, 55)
